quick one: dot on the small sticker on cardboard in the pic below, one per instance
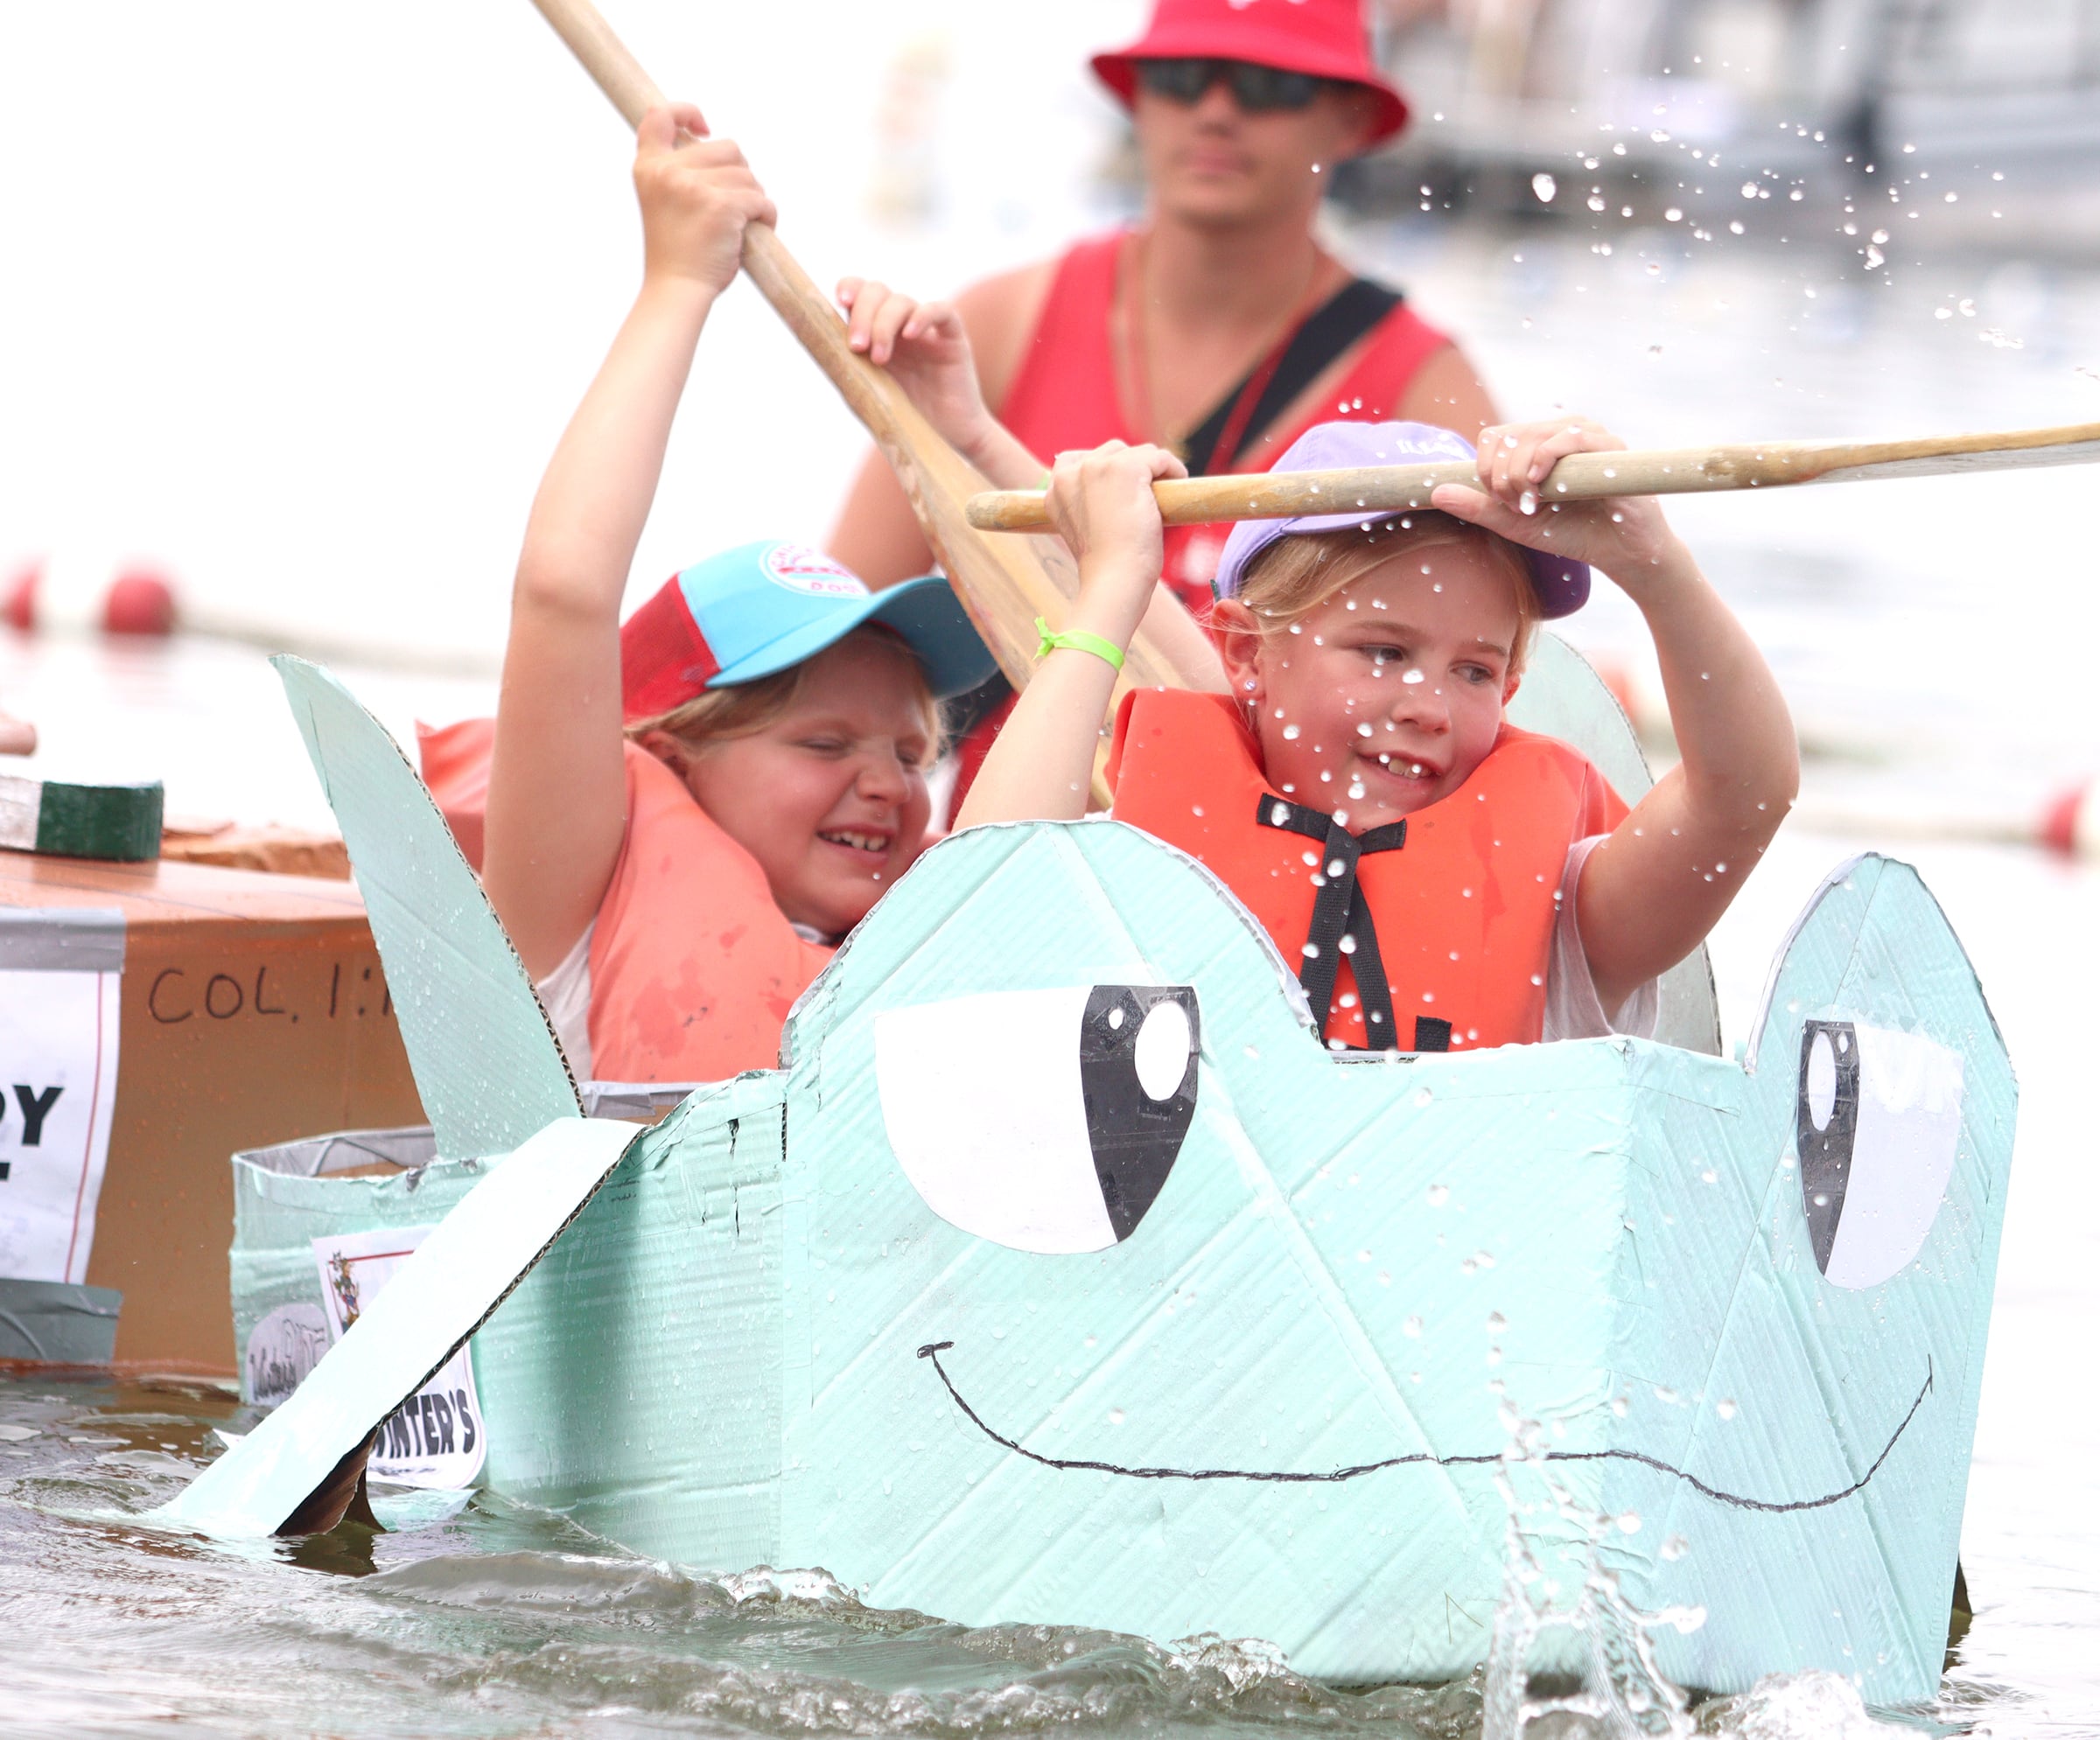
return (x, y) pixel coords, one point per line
(281, 1349)
(436, 1438)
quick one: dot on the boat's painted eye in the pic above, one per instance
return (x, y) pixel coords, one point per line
(1045, 1120)
(1877, 1118)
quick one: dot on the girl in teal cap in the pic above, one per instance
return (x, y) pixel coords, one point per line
(683, 817)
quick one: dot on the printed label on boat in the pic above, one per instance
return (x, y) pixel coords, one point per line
(60, 978)
(281, 1349)
(436, 1436)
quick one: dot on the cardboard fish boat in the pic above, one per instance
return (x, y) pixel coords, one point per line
(1058, 1274)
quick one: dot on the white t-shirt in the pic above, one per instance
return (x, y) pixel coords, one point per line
(1572, 1008)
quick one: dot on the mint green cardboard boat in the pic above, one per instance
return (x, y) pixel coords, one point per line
(1059, 1274)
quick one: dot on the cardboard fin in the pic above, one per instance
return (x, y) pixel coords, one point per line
(487, 1063)
(431, 1305)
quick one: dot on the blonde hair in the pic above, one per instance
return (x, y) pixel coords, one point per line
(717, 714)
(1302, 571)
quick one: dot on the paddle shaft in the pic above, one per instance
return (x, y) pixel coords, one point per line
(875, 399)
(1275, 495)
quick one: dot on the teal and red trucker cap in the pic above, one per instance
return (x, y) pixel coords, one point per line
(760, 608)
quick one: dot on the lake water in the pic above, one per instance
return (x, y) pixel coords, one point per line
(1935, 637)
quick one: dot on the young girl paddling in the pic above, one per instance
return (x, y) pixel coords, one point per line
(1442, 879)
(684, 814)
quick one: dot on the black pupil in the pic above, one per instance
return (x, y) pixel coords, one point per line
(1255, 88)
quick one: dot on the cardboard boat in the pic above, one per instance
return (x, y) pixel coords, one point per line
(1058, 1274)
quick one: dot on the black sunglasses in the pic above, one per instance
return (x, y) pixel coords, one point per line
(1258, 90)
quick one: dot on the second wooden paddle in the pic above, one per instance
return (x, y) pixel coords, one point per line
(1004, 585)
(1771, 464)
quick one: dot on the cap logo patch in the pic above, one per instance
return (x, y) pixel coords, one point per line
(802, 570)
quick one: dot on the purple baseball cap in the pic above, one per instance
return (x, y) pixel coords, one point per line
(1562, 585)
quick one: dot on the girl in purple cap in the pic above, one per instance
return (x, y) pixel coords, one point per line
(1440, 879)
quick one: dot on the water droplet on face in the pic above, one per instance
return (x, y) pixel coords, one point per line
(1410, 676)
(1290, 733)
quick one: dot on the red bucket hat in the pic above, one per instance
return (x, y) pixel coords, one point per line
(1324, 38)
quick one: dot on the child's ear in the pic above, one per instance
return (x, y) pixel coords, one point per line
(1511, 683)
(1239, 637)
(667, 749)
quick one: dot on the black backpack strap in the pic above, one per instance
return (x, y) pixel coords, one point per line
(1326, 333)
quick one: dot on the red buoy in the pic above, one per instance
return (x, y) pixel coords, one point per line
(18, 607)
(2071, 823)
(139, 601)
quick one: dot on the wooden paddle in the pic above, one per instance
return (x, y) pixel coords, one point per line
(1004, 585)
(1384, 489)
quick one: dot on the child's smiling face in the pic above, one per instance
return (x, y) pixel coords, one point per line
(1385, 697)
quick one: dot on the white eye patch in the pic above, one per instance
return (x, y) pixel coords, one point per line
(1044, 1121)
(1877, 1120)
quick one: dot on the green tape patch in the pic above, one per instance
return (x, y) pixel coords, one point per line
(116, 822)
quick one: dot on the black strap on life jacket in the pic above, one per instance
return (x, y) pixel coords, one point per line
(1341, 922)
(1324, 335)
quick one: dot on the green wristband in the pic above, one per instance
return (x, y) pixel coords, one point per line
(1078, 640)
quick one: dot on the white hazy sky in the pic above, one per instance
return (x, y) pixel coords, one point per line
(294, 299)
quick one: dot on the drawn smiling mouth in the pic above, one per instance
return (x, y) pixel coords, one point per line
(933, 1350)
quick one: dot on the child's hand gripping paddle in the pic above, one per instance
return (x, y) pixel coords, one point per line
(1386, 489)
(1005, 585)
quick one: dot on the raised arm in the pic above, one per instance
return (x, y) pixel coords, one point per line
(1040, 767)
(557, 791)
(1650, 894)
(926, 347)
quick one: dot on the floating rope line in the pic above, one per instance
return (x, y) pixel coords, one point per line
(933, 1351)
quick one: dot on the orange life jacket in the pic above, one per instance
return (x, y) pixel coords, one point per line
(1438, 927)
(693, 968)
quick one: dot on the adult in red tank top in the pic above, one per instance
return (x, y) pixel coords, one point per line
(1217, 326)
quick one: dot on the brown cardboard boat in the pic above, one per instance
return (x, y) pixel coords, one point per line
(252, 1010)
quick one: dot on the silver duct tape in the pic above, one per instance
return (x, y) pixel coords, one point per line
(61, 939)
(53, 1323)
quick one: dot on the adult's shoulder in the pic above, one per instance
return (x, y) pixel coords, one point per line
(999, 313)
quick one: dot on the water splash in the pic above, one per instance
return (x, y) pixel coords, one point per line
(1623, 1691)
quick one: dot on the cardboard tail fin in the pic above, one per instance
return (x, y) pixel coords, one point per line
(487, 1063)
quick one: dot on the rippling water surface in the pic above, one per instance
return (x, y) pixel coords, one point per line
(471, 1615)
